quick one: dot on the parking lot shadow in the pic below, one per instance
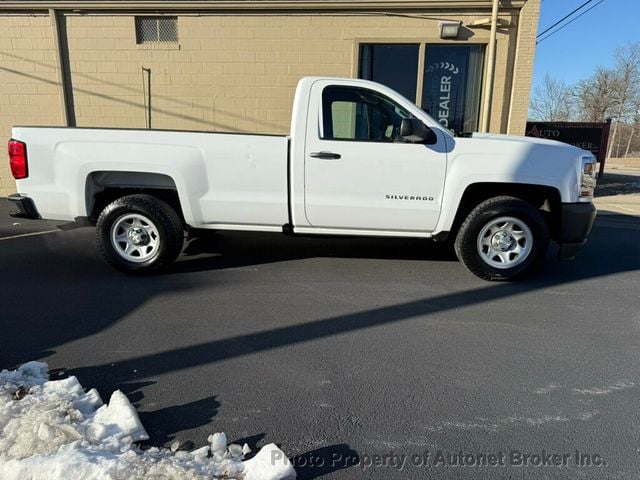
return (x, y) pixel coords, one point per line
(325, 460)
(164, 423)
(57, 289)
(617, 183)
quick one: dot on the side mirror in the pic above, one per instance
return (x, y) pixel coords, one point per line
(414, 131)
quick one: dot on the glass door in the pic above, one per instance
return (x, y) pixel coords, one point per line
(451, 78)
(452, 85)
(393, 65)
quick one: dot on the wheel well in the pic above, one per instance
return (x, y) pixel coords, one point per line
(104, 187)
(547, 199)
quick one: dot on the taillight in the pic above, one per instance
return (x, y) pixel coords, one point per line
(18, 159)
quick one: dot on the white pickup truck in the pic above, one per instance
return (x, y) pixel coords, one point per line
(360, 160)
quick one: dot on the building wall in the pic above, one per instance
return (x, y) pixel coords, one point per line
(28, 81)
(227, 73)
(523, 67)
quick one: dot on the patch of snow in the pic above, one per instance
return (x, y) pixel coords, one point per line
(544, 390)
(622, 385)
(54, 430)
(470, 426)
(492, 425)
(269, 459)
(587, 415)
(218, 442)
(536, 420)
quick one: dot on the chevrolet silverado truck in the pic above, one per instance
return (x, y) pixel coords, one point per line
(360, 160)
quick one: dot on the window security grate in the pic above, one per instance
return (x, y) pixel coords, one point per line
(156, 30)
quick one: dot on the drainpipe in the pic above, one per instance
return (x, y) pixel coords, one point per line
(491, 67)
(63, 88)
(148, 100)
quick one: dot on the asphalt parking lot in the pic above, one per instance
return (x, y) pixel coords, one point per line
(348, 352)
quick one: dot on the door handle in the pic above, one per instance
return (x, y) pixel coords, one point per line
(325, 155)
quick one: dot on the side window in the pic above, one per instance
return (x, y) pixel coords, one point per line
(358, 114)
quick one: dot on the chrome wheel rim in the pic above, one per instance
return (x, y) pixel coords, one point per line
(505, 242)
(135, 238)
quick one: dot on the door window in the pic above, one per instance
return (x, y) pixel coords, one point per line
(359, 114)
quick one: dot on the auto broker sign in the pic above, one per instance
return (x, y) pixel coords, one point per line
(586, 135)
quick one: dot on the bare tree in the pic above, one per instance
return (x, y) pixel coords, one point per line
(627, 68)
(598, 96)
(632, 131)
(551, 101)
(613, 93)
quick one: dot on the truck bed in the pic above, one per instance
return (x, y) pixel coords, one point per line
(233, 179)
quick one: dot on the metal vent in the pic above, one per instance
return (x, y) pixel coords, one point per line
(156, 30)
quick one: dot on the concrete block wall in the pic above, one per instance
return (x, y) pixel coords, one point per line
(523, 67)
(28, 81)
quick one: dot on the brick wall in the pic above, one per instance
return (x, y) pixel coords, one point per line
(227, 73)
(28, 82)
(523, 67)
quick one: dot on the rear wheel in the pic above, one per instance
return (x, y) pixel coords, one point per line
(139, 233)
(503, 238)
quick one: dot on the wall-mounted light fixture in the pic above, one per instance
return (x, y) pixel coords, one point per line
(450, 29)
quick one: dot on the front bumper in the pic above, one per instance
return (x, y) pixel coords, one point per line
(24, 207)
(576, 221)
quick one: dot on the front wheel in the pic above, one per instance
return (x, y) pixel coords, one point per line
(139, 233)
(503, 238)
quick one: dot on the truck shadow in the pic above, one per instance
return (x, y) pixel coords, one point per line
(219, 250)
(325, 460)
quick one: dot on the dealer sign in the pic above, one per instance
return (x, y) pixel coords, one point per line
(586, 135)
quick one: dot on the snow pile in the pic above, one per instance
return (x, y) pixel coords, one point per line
(54, 430)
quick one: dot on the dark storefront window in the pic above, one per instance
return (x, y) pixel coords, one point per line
(395, 66)
(451, 86)
(451, 80)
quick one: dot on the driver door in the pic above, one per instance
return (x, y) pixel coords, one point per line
(359, 173)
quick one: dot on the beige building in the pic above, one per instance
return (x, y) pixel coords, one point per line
(224, 65)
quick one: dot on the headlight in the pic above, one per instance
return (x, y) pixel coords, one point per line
(587, 177)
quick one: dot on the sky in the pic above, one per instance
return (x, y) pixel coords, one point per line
(574, 52)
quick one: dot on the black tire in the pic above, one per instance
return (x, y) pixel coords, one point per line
(165, 232)
(533, 244)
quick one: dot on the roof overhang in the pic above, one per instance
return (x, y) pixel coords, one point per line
(252, 5)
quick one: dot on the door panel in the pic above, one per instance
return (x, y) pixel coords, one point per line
(358, 172)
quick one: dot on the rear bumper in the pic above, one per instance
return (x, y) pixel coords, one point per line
(23, 207)
(576, 221)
